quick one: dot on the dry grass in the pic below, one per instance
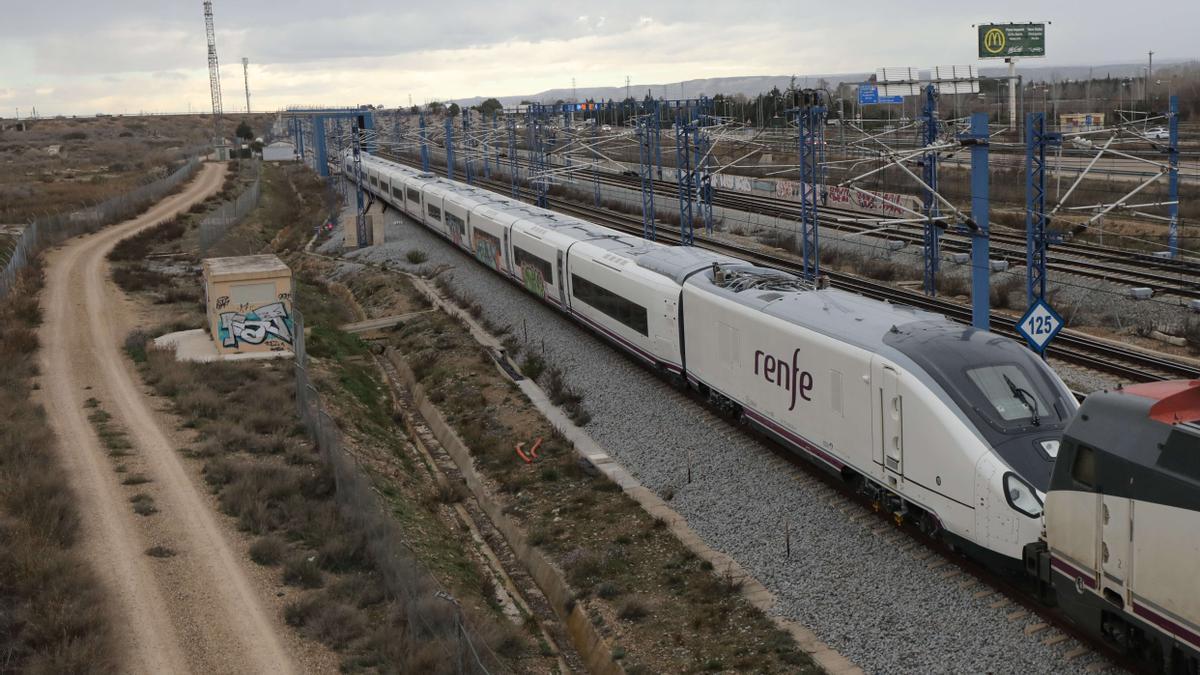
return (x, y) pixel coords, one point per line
(54, 617)
(270, 478)
(99, 158)
(621, 563)
(138, 246)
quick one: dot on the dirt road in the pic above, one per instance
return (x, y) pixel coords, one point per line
(197, 611)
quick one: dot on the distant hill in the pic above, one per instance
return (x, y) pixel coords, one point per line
(754, 84)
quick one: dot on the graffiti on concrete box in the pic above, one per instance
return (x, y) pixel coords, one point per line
(270, 324)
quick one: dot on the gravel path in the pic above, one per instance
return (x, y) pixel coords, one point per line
(862, 591)
(200, 611)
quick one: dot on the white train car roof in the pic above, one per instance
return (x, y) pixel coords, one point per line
(678, 262)
(845, 316)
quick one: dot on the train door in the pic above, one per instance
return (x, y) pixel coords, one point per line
(507, 250)
(891, 424)
(562, 281)
(668, 335)
(1116, 517)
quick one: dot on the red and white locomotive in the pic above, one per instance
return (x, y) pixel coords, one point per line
(1122, 544)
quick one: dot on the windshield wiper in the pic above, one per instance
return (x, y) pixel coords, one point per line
(1025, 398)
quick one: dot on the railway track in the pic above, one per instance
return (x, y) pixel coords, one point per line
(1124, 363)
(1178, 277)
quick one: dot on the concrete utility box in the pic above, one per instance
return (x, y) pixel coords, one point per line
(374, 234)
(249, 300)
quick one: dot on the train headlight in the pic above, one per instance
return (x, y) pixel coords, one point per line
(1021, 495)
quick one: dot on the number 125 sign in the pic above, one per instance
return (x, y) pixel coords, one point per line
(1039, 325)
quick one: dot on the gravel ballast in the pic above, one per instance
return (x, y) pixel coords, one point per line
(862, 591)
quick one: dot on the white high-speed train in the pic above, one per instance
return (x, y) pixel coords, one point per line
(951, 427)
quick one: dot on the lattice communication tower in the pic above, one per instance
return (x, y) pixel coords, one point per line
(214, 69)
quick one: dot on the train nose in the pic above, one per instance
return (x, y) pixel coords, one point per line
(1032, 456)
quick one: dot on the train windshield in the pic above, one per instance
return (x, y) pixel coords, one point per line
(999, 383)
(1010, 396)
(1013, 399)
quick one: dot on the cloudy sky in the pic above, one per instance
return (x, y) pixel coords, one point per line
(76, 56)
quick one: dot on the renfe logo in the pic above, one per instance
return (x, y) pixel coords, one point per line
(780, 373)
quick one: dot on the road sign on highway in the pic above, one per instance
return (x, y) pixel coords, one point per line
(1039, 325)
(1009, 40)
(869, 95)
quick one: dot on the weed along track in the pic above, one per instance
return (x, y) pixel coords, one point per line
(596, 567)
(516, 592)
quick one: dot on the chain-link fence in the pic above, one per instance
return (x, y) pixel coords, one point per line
(433, 616)
(230, 213)
(44, 232)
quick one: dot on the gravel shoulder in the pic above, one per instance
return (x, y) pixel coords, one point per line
(861, 591)
(199, 610)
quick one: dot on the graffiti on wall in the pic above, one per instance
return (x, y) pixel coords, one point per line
(269, 324)
(883, 203)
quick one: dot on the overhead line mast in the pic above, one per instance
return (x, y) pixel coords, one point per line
(214, 70)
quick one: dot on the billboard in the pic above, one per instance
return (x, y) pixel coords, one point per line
(1012, 40)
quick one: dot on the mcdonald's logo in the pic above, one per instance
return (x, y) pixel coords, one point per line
(994, 41)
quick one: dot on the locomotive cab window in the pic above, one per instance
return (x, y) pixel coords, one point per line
(1083, 469)
(434, 212)
(414, 195)
(605, 301)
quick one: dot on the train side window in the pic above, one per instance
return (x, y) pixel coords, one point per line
(524, 258)
(625, 311)
(414, 195)
(398, 193)
(1083, 469)
(434, 211)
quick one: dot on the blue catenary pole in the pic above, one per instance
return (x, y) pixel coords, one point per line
(980, 253)
(1173, 177)
(656, 130)
(932, 231)
(449, 146)
(645, 169)
(424, 144)
(1035, 206)
(322, 154)
(360, 221)
(300, 138)
(512, 156)
(466, 125)
(811, 121)
(683, 179)
(596, 163)
(488, 139)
